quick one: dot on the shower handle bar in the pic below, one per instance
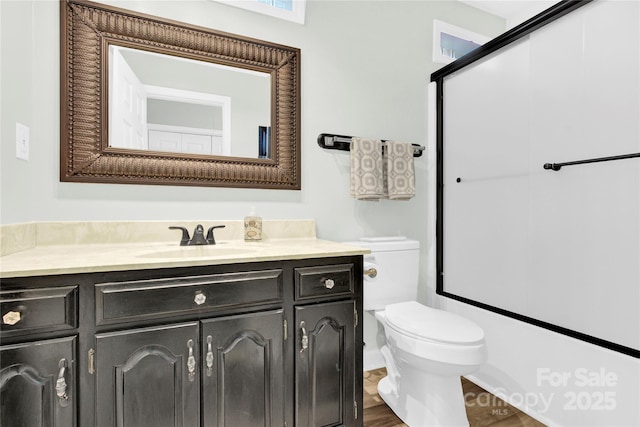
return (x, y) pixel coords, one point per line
(558, 166)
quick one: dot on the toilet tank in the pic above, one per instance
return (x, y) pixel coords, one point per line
(395, 260)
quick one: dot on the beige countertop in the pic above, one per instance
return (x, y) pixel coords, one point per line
(31, 250)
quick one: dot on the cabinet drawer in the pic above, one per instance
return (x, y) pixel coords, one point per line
(325, 280)
(122, 301)
(31, 309)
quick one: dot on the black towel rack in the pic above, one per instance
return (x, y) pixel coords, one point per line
(343, 143)
(558, 166)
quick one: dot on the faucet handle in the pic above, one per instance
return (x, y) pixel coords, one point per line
(198, 236)
(185, 235)
(210, 239)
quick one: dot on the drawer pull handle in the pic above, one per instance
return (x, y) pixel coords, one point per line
(61, 384)
(329, 283)
(305, 337)
(11, 318)
(191, 362)
(200, 298)
(209, 356)
(371, 272)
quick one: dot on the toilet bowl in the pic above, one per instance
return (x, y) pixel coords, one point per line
(424, 364)
(426, 350)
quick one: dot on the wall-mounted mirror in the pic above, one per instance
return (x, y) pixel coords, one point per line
(150, 101)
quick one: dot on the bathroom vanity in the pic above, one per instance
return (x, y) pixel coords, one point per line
(264, 333)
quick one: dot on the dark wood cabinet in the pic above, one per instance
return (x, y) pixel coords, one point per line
(325, 363)
(243, 375)
(275, 343)
(148, 377)
(37, 384)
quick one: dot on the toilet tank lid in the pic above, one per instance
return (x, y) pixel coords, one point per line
(386, 243)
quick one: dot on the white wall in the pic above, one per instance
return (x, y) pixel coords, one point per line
(515, 12)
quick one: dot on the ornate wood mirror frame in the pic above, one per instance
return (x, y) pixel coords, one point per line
(87, 30)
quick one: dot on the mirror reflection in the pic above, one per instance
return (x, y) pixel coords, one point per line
(159, 102)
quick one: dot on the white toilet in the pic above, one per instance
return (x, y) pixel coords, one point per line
(426, 350)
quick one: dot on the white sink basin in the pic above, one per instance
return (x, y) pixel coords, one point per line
(209, 251)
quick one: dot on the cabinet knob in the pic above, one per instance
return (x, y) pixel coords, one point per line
(329, 283)
(200, 298)
(11, 318)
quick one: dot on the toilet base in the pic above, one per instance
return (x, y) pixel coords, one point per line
(426, 400)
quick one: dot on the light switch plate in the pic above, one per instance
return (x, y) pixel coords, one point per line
(22, 141)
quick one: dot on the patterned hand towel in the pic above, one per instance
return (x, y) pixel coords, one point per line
(366, 169)
(398, 170)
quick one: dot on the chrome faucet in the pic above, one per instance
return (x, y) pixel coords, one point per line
(198, 235)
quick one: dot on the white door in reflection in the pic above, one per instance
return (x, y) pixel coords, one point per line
(168, 103)
(181, 121)
(128, 115)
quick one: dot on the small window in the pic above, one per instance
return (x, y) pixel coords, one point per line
(291, 10)
(451, 42)
(279, 4)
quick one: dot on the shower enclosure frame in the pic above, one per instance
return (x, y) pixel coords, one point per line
(509, 37)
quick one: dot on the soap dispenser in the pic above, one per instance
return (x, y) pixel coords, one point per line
(252, 226)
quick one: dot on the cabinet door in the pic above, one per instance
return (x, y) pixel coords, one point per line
(325, 361)
(148, 377)
(243, 370)
(28, 378)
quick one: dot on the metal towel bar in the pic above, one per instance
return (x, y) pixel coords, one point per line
(343, 143)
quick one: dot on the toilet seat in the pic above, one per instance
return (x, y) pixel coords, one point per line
(431, 325)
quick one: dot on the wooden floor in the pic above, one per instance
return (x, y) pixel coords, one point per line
(483, 409)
